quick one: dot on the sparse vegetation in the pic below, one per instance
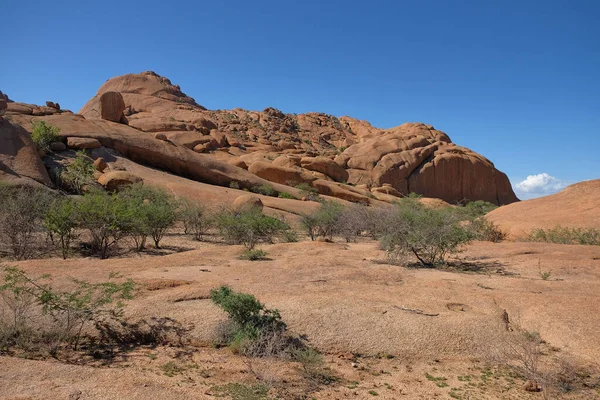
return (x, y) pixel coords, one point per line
(44, 134)
(234, 185)
(564, 235)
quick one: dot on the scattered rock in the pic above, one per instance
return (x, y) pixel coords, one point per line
(82, 143)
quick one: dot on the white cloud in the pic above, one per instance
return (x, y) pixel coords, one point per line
(539, 185)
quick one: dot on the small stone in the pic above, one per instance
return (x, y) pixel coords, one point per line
(57, 146)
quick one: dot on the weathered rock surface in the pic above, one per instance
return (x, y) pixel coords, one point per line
(418, 158)
(325, 166)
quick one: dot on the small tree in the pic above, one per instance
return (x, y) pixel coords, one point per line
(43, 134)
(196, 219)
(324, 221)
(107, 218)
(61, 221)
(428, 234)
(249, 226)
(153, 213)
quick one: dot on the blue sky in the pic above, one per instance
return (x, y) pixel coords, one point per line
(517, 81)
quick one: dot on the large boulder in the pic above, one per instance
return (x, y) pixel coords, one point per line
(247, 201)
(325, 166)
(117, 180)
(111, 106)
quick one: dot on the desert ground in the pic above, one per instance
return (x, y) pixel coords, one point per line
(385, 330)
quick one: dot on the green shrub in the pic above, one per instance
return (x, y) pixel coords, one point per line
(61, 221)
(21, 214)
(324, 221)
(234, 185)
(425, 233)
(565, 235)
(252, 323)
(78, 174)
(253, 255)
(107, 218)
(249, 226)
(43, 134)
(264, 189)
(196, 219)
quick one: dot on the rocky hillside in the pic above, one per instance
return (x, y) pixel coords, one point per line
(150, 121)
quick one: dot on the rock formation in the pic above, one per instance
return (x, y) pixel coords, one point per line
(169, 130)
